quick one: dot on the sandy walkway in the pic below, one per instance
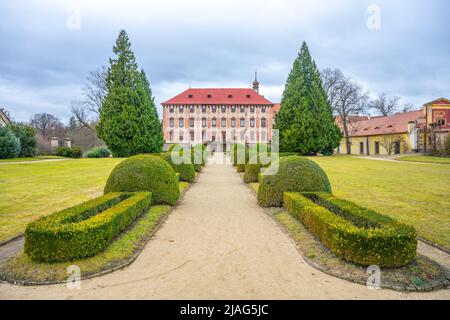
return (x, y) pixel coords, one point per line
(218, 244)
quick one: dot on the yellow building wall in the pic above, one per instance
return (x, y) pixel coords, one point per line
(405, 146)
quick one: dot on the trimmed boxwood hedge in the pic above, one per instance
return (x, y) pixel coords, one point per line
(186, 170)
(251, 172)
(84, 230)
(296, 174)
(354, 233)
(145, 173)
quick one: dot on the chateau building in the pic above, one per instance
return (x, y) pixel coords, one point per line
(4, 120)
(423, 130)
(220, 116)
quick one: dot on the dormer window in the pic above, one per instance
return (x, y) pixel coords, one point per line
(248, 96)
(190, 96)
(230, 96)
(209, 96)
(389, 126)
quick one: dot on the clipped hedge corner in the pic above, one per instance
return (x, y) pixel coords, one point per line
(185, 169)
(354, 233)
(84, 230)
(251, 172)
(145, 173)
(296, 174)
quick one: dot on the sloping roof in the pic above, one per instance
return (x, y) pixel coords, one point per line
(219, 96)
(397, 123)
(438, 101)
(276, 107)
(4, 117)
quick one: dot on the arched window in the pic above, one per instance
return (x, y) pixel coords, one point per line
(171, 122)
(233, 122)
(181, 122)
(192, 135)
(204, 122)
(171, 135)
(252, 122)
(203, 135)
(242, 122)
(223, 123)
(191, 122)
(213, 122)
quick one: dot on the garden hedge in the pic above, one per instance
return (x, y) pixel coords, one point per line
(186, 170)
(296, 174)
(84, 230)
(354, 233)
(98, 152)
(197, 158)
(145, 173)
(251, 172)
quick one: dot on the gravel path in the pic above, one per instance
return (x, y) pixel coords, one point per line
(217, 244)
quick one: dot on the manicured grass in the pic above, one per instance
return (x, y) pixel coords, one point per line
(37, 158)
(429, 159)
(410, 192)
(32, 190)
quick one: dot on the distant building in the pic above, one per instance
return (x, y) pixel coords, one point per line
(218, 115)
(414, 131)
(4, 120)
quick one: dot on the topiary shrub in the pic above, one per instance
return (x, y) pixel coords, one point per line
(73, 152)
(235, 152)
(186, 170)
(251, 172)
(84, 230)
(27, 137)
(197, 158)
(9, 144)
(99, 152)
(352, 232)
(296, 174)
(145, 173)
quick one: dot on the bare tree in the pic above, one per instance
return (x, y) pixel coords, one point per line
(94, 93)
(46, 124)
(407, 107)
(346, 97)
(385, 105)
(95, 90)
(390, 141)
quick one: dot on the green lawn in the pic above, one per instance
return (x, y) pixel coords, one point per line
(37, 158)
(413, 193)
(28, 191)
(429, 159)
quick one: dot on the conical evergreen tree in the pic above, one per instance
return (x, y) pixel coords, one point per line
(128, 121)
(305, 120)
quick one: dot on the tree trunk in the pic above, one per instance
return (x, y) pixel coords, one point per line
(347, 138)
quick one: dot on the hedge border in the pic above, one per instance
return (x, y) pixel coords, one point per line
(350, 231)
(84, 230)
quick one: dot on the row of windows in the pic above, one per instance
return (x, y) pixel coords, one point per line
(214, 109)
(223, 122)
(213, 136)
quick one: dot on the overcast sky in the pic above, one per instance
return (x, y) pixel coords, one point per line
(45, 57)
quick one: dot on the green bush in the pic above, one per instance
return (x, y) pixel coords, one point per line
(352, 232)
(235, 149)
(99, 152)
(197, 156)
(145, 173)
(84, 230)
(27, 137)
(9, 144)
(73, 152)
(297, 174)
(447, 145)
(251, 172)
(185, 169)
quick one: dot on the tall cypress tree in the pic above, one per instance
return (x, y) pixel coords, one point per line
(305, 120)
(128, 121)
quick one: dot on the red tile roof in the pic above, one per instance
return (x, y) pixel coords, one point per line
(230, 96)
(397, 123)
(439, 101)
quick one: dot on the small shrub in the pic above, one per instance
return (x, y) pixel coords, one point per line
(185, 169)
(237, 151)
(84, 230)
(9, 144)
(99, 152)
(251, 172)
(27, 137)
(197, 157)
(447, 145)
(73, 152)
(352, 232)
(145, 173)
(296, 174)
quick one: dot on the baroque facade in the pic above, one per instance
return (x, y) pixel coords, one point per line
(218, 116)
